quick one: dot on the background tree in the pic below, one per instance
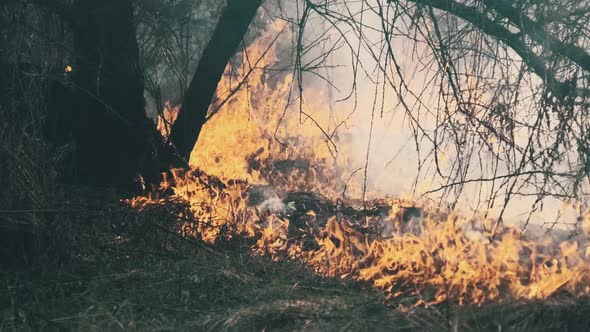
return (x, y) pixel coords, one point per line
(108, 114)
(105, 86)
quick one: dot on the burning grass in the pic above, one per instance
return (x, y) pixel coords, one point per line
(277, 179)
(131, 270)
(431, 258)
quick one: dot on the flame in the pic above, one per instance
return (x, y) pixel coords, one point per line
(256, 149)
(167, 118)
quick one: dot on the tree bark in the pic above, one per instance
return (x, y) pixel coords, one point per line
(229, 32)
(107, 110)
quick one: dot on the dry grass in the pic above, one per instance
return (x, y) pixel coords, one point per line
(131, 273)
(129, 270)
(27, 170)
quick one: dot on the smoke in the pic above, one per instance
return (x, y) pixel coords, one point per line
(377, 132)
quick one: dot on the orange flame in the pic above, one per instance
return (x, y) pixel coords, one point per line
(434, 257)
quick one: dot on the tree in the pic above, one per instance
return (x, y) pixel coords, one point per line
(109, 123)
(106, 111)
(228, 34)
(103, 106)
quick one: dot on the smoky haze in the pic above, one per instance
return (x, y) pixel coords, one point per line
(380, 134)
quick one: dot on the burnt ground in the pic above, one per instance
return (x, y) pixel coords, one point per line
(106, 267)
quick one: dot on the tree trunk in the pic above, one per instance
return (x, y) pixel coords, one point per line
(107, 113)
(231, 28)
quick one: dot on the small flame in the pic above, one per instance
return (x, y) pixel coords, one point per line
(166, 118)
(68, 69)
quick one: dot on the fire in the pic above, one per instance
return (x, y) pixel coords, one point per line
(167, 118)
(264, 171)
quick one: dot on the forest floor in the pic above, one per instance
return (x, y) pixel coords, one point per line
(121, 269)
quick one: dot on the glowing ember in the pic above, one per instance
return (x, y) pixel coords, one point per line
(247, 183)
